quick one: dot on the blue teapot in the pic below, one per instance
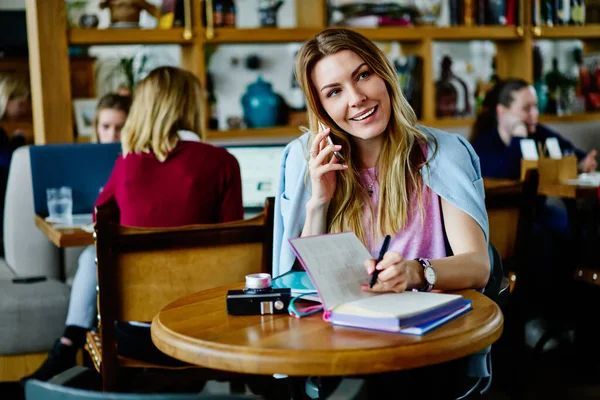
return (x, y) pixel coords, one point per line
(261, 105)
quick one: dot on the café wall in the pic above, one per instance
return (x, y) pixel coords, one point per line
(472, 61)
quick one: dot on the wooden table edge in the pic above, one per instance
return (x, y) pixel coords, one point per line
(47, 230)
(236, 359)
(66, 239)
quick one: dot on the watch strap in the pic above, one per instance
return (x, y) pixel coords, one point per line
(425, 263)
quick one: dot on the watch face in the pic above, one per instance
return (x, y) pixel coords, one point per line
(430, 276)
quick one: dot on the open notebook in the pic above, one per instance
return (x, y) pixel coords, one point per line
(334, 263)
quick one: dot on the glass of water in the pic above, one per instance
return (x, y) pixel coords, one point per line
(60, 203)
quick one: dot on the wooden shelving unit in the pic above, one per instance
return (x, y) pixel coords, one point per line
(581, 117)
(89, 37)
(591, 31)
(287, 132)
(49, 39)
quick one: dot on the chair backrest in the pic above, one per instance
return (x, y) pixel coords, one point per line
(511, 211)
(27, 250)
(85, 167)
(36, 390)
(492, 289)
(142, 270)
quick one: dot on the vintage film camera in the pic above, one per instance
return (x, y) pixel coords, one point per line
(258, 297)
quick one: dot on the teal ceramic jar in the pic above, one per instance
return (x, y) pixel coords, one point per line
(261, 105)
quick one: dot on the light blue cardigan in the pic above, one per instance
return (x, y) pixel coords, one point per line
(453, 173)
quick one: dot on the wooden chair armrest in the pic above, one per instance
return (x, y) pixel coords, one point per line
(93, 345)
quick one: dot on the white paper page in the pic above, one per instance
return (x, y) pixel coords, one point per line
(553, 148)
(399, 305)
(529, 149)
(336, 264)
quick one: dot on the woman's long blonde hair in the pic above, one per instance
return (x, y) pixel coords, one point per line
(11, 86)
(401, 156)
(167, 100)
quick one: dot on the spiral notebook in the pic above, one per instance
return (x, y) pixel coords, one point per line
(334, 263)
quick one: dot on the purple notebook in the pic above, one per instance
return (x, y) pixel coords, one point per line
(334, 263)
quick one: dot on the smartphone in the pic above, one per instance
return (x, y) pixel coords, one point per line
(337, 154)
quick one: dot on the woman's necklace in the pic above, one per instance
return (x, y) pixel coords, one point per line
(370, 185)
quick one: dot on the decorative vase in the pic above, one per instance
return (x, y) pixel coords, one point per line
(261, 105)
(428, 11)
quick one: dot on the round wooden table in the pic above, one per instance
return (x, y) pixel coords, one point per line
(197, 329)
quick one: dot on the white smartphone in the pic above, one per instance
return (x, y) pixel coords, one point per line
(337, 154)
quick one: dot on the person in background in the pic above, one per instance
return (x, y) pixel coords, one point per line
(166, 177)
(111, 114)
(510, 113)
(14, 106)
(419, 185)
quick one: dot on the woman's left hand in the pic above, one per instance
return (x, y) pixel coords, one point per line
(393, 273)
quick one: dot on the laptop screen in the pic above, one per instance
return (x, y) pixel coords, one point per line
(259, 167)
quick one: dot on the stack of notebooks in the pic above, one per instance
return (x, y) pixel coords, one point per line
(334, 265)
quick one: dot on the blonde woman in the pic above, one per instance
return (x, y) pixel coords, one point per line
(420, 185)
(166, 177)
(14, 105)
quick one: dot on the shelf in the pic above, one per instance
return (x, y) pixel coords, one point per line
(473, 33)
(581, 117)
(275, 35)
(258, 35)
(591, 31)
(79, 36)
(418, 33)
(444, 123)
(277, 132)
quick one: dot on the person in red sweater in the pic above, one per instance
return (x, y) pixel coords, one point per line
(166, 177)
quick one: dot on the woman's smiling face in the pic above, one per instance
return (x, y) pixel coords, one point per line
(355, 98)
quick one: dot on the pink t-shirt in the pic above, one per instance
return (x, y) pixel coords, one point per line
(416, 239)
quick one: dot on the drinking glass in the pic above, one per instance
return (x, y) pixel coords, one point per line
(60, 203)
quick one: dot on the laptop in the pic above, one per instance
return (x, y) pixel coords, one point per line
(259, 167)
(84, 167)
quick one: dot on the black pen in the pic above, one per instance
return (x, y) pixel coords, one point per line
(384, 248)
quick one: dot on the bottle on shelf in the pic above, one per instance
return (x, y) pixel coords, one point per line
(218, 13)
(213, 116)
(539, 84)
(554, 80)
(296, 99)
(581, 12)
(229, 18)
(566, 11)
(448, 90)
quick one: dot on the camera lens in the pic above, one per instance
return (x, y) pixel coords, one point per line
(258, 283)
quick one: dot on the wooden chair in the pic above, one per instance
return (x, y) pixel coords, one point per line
(78, 383)
(68, 386)
(142, 270)
(511, 212)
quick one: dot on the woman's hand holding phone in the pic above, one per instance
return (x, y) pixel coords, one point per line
(322, 166)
